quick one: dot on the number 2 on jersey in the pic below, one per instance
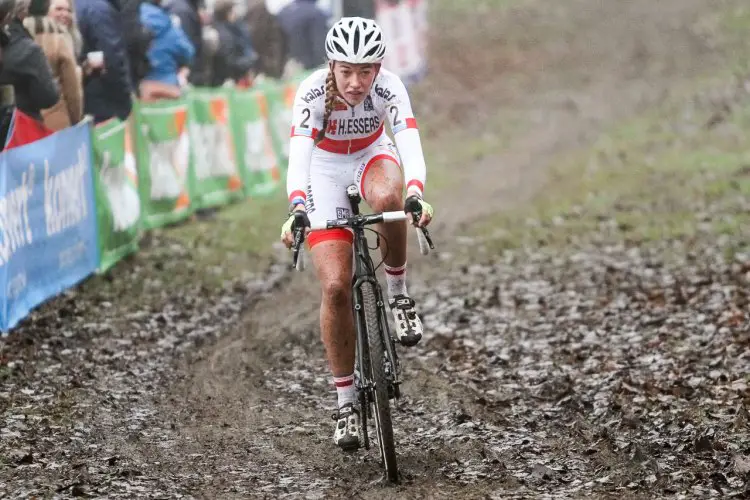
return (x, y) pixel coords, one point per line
(304, 124)
(394, 112)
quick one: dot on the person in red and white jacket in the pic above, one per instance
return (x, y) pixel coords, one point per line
(338, 138)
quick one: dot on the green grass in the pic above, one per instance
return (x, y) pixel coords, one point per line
(679, 171)
(447, 155)
(734, 22)
(239, 236)
(236, 240)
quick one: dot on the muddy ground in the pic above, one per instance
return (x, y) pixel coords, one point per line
(597, 371)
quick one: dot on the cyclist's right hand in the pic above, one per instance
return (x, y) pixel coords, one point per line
(287, 230)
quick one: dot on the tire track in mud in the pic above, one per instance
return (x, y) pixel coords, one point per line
(268, 383)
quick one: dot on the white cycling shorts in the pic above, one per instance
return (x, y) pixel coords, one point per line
(330, 175)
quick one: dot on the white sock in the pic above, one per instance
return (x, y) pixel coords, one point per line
(345, 389)
(395, 278)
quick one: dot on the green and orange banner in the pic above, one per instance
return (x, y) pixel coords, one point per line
(257, 153)
(116, 190)
(163, 156)
(214, 174)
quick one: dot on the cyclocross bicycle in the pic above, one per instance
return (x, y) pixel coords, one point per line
(376, 360)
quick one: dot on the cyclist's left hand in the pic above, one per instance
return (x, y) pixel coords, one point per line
(424, 207)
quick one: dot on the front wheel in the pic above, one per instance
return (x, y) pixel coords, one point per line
(378, 360)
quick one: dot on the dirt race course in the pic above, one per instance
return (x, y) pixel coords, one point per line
(584, 371)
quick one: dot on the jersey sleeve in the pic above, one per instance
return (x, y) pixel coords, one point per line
(307, 119)
(406, 134)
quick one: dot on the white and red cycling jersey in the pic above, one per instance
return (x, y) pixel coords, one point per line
(353, 133)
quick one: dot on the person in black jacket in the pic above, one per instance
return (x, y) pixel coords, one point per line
(234, 58)
(107, 92)
(305, 25)
(7, 101)
(25, 67)
(138, 40)
(268, 39)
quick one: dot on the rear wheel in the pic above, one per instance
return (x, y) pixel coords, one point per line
(379, 376)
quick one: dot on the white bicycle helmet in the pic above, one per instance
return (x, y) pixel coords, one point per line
(355, 40)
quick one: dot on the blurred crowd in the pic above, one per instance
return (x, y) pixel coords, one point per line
(64, 59)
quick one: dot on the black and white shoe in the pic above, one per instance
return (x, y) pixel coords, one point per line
(408, 324)
(346, 435)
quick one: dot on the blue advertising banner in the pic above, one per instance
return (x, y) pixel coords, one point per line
(48, 232)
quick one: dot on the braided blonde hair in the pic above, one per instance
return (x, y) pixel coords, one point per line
(331, 93)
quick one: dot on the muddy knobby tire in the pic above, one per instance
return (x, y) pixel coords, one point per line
(377, 365)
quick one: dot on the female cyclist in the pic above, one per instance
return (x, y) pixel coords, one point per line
(338, 138)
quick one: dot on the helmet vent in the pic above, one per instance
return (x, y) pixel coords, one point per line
(339, 47)
(356, 40)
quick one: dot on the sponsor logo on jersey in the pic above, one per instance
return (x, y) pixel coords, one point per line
(314, 94)
(351, 126)
(368, 104)
(384, 93)
(361, 125)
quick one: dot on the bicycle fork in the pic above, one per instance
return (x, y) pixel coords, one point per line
(393, 367)
(363, 359)
(366, 385)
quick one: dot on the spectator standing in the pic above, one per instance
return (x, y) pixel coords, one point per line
(25, 67)
(243, 35)
(170, 50)
(62, 12)
(234, 58)
(106, 88)
(188, 12)
(57, 45)
(200, 74)
(268, 39)
(137, 40)
(305, 26)
(7, 99)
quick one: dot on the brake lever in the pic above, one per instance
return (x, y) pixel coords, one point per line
(427, 237)
(417, 215)
(299, 236)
